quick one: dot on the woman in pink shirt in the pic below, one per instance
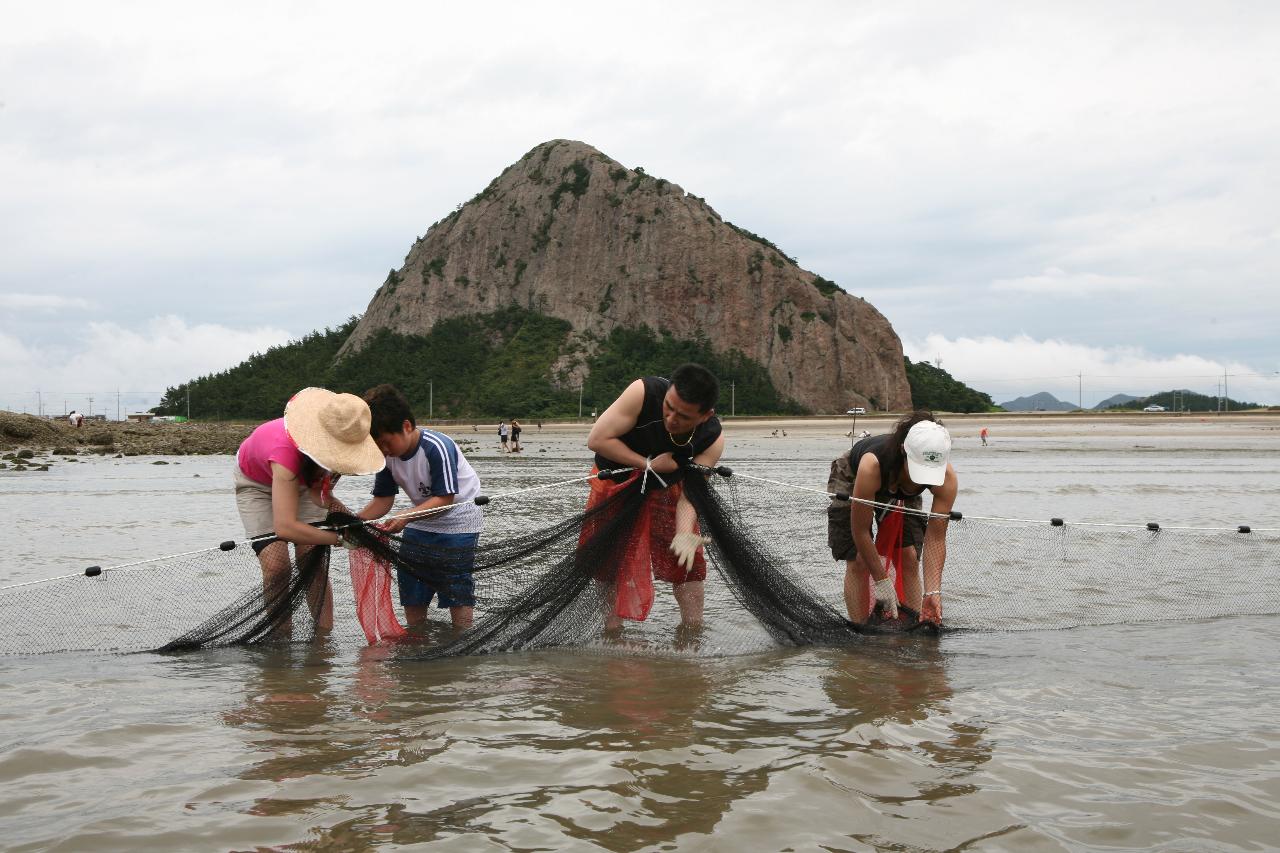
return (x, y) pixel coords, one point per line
(282, 478)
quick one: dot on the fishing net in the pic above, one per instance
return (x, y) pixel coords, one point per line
(559, 572)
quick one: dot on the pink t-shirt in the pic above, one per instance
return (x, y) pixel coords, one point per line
(266, 444)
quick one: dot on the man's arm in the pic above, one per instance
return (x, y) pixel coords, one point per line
(686, 516)
(935, 547)
(618, 420)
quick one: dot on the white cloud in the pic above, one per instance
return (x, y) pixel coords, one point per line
(1013, 367)
(1059, 283)
(42, 302)
(103, 358)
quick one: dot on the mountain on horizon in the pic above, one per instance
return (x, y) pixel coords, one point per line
(1116, 400)
(1042, 402)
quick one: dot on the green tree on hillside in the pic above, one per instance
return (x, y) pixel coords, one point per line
(935, 389)
(1188, 401)
(502, 364)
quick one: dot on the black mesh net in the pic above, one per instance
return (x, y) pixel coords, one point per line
(539, 582)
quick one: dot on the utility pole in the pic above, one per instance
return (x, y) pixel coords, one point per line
(117, 404)
(188, 402)
(1080, 390)
(431, 399)
(39, 404)
(1226, 399)
(733, 398)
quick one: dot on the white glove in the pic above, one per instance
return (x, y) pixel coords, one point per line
(685, 546)
(887, 596)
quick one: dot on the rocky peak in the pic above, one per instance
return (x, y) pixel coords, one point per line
(571, 233)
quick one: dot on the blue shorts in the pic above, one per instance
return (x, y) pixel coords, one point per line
(458, 548)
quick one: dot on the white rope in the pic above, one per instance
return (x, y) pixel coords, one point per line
(415, 514)
(137, 564)
(518, 492)
(411, 515)
(1141, 525)
(863, 501)
(648, 469)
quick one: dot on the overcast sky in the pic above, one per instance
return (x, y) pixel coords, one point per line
(1028, 191)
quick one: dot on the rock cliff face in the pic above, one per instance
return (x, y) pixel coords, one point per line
(570, 233)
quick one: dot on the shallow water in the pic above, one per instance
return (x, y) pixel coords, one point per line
(1127, 737)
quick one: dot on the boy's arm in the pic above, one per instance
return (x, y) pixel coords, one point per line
(443, 458)
(377, 507)
(385, 490)
(399, 521)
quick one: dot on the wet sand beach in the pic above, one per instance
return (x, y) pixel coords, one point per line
(1158, 735)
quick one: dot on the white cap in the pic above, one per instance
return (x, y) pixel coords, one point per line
(928, 448)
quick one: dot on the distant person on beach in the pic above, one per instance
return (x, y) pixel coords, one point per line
(436, 476)
(983, 436)
(893, 469)
(75, 419)
(502, 435)
(515, 435)
(656, 426)
(283, 481)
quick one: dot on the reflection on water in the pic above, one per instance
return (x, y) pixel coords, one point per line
(1126, 737)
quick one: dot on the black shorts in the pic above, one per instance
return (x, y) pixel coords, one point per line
(840, 527)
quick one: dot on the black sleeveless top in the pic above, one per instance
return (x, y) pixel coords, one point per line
(649, 437)
(879, 446)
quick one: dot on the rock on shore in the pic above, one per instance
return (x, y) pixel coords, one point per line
(28, 432)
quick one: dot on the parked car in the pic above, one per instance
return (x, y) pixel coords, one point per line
(856, 411)
(1154, 409)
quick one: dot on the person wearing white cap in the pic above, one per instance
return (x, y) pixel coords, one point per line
(886, 469)
(282, 481)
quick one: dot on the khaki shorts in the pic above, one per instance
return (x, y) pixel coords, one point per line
(253, 500)
(840, 527)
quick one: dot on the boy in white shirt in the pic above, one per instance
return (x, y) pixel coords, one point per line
(435, 475)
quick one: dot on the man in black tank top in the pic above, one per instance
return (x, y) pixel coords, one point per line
(654, 427)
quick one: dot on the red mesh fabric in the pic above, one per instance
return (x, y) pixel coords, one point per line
(371, 583)
(889, 547)
(647, 554)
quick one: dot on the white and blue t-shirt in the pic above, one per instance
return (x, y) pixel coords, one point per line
(435, 467)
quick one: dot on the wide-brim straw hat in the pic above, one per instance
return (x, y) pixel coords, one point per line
(333, 429)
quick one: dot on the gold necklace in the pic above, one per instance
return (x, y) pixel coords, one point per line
(684, 443)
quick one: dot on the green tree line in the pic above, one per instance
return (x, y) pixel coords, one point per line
(935, 389)
(510, 363)
(1188, 401)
